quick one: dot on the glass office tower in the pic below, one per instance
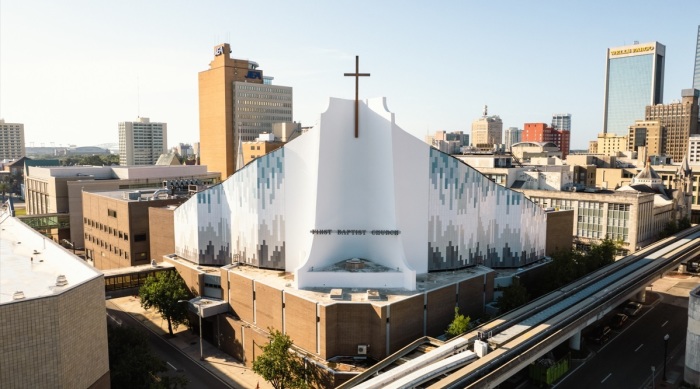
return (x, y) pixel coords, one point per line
(634, 79)
(696, 72)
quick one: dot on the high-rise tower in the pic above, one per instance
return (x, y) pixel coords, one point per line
(561, 121)
(234, 97)
(11, 140)
(634, 78)
(696, 72)
(141, 142)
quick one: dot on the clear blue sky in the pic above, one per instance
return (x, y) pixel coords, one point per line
(69, 69)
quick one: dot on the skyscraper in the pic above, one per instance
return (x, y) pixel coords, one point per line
(696, 72)
(634, 78)
(142, 142)
(11, 140)
(679, 121)
(511, 136)
(234, 97)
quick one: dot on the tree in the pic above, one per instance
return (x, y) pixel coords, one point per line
(459, 325)
(133, 365)
(163, 292)
(282, 367)
(513, 296)
(4, 188)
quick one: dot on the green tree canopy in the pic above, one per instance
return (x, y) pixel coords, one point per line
(163, 292)
(513, 296)
(459, 325)
(283, 368)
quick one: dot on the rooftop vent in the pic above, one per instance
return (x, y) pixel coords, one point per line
(61, 280)
(373, 294)
(336, 294)
(18, 295)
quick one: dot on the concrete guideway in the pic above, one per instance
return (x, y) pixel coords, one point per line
(229, 370)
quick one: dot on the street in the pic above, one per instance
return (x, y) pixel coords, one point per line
(198, 376)
(625, 361)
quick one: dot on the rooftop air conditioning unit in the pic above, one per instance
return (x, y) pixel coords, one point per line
(362, 349)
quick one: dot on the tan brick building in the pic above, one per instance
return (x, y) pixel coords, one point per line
(116, 226)
(329, 323)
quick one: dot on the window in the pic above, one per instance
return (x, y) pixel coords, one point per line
(111, 213)
(139, 237)
(126, 236)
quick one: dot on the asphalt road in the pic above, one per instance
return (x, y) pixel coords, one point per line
(198, 376)
(625, 360)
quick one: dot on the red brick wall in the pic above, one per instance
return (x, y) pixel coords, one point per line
(441, 310)
(406, 320)
(300, 321)
(344, 326)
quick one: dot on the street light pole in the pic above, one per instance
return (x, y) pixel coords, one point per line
(199, 311)
(201, 346)
(666, 337)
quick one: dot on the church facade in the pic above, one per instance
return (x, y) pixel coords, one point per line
(374, 211)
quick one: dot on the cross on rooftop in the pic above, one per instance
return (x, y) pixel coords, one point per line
(357, 76)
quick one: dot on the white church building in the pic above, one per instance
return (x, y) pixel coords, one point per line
(375, 210)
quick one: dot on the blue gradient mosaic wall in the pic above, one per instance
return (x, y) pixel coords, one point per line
(476, 221)
(471, 219)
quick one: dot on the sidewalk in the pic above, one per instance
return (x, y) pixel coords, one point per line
(224, 366)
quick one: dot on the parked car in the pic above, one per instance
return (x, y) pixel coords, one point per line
(600, 334)
(632, 308)
(618, 320)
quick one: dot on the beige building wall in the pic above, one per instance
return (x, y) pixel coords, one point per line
(56, 342)
(597, 215)
(487, 131)
(46, 194)
(649, 134)
(162, 231)
(611, 178)
(252, 150)
(610, 144)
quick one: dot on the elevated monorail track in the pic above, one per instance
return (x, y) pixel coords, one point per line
(519, 337)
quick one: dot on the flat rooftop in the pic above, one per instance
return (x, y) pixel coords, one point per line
(284, 281)
(31, 263)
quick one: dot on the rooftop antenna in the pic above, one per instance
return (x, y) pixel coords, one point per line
(138, 97)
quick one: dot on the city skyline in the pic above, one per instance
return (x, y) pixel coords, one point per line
(70, 74)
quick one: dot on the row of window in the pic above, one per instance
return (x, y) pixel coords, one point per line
(106, 228)
(128, 280)
(287, 91)
(264, 103)
(116, 250)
